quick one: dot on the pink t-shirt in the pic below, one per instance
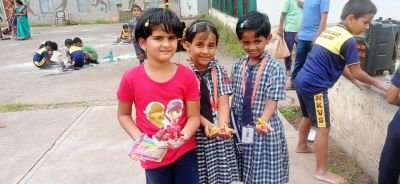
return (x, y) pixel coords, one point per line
(158, 104)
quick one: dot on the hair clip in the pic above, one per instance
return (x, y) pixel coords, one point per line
(184, 32)
(243, 24)
(147, 23)
(194, 29)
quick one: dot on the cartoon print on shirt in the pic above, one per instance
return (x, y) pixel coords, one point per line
(155, 114)
(174, 110)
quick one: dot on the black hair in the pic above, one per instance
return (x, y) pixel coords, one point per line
(76, 40)
(166, 19)
(358, 8)
(200, 26)
(53, 45)
(68, 42)
(183, 25)
(136, 6)
(254, 21)
(19, 2)
(125, 26)
(44, 44)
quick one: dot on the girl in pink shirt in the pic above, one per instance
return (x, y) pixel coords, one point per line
(163, 93)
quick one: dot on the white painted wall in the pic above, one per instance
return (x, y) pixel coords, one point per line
(359, 121)
(227, 20)
(188, 8)
(386, 8)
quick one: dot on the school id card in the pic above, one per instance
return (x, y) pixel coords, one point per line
(247, 135)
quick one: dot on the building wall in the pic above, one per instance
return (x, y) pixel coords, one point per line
(189, 8)
(224, 18)
(203, 6)
(89, 10)
(44, 10)
(359, 122)
(273, 9)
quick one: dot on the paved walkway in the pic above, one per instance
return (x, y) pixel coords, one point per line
(63, 141)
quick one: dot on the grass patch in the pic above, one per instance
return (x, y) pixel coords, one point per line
(14, 107)
(229, 40)
(343, 166)
(85, 22)
(40, 24)
(291, 113)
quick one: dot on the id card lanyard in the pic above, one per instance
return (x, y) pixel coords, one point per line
(258, 77)
(213, 101)
(248, 131)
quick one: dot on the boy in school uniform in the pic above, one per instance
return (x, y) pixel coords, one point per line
(90, 53)
(75, 55)
(333, 54)
(41, 58)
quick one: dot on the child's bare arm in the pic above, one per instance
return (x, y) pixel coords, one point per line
(223, 116)
(223, 111)
(193, 119)
(360, 75)
(347, 74)
(392, 96)
(269, 109)
(203, 121)
(126, 121)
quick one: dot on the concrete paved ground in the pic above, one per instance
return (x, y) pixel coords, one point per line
(79, 144)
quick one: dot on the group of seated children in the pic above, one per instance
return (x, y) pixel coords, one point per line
(78, 54)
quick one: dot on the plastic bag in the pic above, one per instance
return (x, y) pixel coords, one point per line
(145, 149)
(281, 49)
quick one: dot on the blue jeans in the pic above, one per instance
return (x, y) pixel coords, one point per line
(389, 164)
(182, 171)
(303, 48)
(290, 39)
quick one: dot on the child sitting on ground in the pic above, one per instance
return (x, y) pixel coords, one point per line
(125, 36)
(41, 58)
(90, 54)
(75, 54)
(44, 44)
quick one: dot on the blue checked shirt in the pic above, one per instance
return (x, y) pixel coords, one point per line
(271, 85)
(266, 161)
